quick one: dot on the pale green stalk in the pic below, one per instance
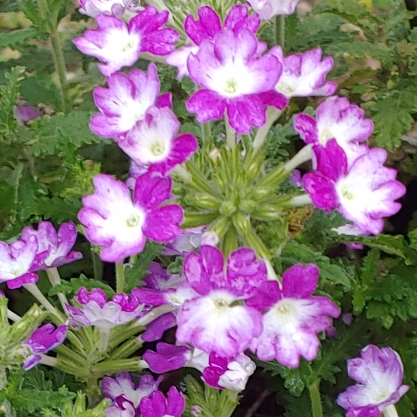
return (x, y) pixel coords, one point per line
(120, 277)
(303, 156)
(316, 405)
(272, 115)
(390, 411)
(301, 200)
(230, 133)
(55, 279)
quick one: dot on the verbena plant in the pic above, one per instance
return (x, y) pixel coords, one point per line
(212, 181)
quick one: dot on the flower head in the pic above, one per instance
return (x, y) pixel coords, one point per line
(124, 102)
(302, 75)
(336, 119)
(206, 27)
(363, 193)
(232, 75)
(126, 397)
(42, 340)
(158, 406)
(121, 225)
(293, 317)
(19, 260)
(118, 45)
(379, 373)
(97, 310)
(214, 320)
(116, 7)
(153, 142)
(267, 9)
(57, 245)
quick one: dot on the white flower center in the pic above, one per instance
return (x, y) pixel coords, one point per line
(325, 136)
(285, 88)
(157, 148)
(133, 220)
(231, 86)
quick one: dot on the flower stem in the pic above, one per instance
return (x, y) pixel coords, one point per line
(279, 30)
(119, 365)
(300, 200)
(128, 348)
(12, 316)
(316, 405)
(390, 411)
(104, 339)
(55, 280)
(120, 277)
(57, 54)
(230, 133)
(34, 290)
(272, 115)
(303, 156)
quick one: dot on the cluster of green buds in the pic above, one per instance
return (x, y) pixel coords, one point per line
(229, 191)
(180, 9)
(12, 335)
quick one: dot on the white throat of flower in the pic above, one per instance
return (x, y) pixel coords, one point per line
(353, 195)
(120, 44)
(126, 222)
(155, 148)
(232, 80)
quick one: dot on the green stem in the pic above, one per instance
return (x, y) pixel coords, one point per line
(279, 30)
(230, 241)
(119, 365)
(390, 411)
(97, 266)
(34, 290)
(59, 62)
(230, 133)
(55, 279)
(120, 277)
(128, 348)
(57, 54)
(302, 156)
(316, 405)
(272, 115)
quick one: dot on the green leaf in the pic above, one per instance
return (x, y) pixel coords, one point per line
(135, 273)
(20, 37)
(46, 134)
(393, 245)
(361, 49)
(294, 253)
(392, 118)
(72, 286)
(9, 93)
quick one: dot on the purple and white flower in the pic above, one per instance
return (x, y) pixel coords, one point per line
(121, 225)
(228, 373)
(336, 119)
(57, 245)
(158, 406)
(293, 317)
(206, 28)
(124, 102)
(118, 45)
(379, 373)
(267, 9)
(19, 260)
(216, 320)
(302, 75)
(93, 8)
(126, 397)
(42, 340)
(364, 193)
(96, 310)
(153, 141)
(232, 76)
(217, 372)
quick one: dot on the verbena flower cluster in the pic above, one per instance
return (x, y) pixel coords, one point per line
(227, 306)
